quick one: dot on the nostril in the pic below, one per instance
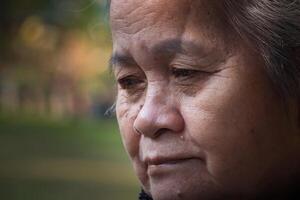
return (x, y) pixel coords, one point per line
(161, 131)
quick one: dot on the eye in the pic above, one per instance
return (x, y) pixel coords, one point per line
(183, 73)
(130, 82)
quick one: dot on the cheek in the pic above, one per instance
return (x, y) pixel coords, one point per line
(227, 126)
(126, 114)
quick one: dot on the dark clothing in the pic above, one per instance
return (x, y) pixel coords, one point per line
(144, 196)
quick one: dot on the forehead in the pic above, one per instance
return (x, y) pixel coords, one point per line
(141, 25)
(132, 16)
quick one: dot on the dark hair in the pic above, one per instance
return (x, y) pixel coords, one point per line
(273, 27)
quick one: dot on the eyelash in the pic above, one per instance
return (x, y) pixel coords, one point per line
(132, 82)
(183, 73)
(129, 82)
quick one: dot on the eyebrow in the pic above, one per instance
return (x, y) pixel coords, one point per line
(165, 49)
(118, 59)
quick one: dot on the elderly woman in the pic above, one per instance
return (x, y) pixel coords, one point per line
(208, 96)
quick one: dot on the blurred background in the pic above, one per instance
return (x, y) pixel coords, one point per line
(55, 140)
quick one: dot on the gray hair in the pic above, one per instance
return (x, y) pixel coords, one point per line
(273, 27)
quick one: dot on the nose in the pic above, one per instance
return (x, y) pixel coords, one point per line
(158, 115)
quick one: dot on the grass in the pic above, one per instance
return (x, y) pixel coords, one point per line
(48, 159)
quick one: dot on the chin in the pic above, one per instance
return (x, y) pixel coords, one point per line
(178, 191)
(186, 180)
(187, 185)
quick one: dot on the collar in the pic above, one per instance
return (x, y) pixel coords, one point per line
(144, 196)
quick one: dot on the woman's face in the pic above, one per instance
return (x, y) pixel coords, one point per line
(197, 113)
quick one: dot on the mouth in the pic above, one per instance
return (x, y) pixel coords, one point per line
(162, 166)
(167, 160)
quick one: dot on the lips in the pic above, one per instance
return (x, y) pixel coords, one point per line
(165, 165)
(167, 160)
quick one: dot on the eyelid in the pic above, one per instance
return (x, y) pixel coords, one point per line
(196, 68)
(128, 74)
(131, 81)
(124, 68)
(187, 68)
(121, 71)
(130, 77)
(182, 66)
(190, 66)
(116, 71)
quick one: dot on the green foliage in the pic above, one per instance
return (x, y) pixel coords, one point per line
(68, 159)
(66, 13)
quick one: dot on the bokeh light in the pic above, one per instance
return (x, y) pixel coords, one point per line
(55, 87)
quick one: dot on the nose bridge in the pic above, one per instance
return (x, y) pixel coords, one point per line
(154, 104)
(157, 95)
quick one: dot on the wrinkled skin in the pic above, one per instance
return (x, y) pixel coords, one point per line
(197, 114)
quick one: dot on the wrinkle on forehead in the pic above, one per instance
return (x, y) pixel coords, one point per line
(133, 16)
(163, 17)
(139, 25)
